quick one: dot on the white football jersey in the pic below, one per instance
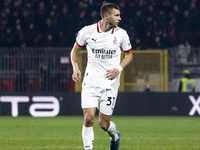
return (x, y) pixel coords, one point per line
(104, 52)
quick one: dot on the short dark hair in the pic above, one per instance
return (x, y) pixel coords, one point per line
(107, 8)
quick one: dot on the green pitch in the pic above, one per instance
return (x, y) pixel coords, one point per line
(64, 133)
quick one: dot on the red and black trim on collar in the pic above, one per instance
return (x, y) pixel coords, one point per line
(98, 27)
(112, 31)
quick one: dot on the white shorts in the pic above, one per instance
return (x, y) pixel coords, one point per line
(101, 98)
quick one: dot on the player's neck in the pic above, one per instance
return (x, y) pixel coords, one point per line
(105, 27)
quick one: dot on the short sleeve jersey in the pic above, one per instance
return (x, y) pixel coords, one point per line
(104, 52)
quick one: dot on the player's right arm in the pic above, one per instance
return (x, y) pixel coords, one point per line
(76, 77)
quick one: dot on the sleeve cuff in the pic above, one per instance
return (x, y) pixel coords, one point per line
(128, 50)
(78, 44)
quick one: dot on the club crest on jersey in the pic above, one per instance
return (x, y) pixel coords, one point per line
(115, 40)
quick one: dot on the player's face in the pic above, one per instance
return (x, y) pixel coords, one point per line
(114, 18)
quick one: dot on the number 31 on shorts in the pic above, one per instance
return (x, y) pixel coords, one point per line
(110, 100)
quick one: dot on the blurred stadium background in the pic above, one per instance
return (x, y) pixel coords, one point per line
(36, 37)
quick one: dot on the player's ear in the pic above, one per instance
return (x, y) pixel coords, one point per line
(106, 16)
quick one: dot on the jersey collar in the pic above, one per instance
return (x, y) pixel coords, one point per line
(99, 29)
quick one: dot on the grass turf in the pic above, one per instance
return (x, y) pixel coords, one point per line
(64, 133)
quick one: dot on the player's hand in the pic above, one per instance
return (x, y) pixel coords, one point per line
(76, 77)
(112, 74)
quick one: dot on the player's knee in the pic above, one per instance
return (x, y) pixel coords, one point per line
(89, 121)
(103, 125)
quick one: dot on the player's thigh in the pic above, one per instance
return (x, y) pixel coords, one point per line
(89, 97)
(89, 112)
(107, 101)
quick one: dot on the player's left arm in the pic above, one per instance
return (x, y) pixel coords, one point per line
(112, 74)
(127, 59)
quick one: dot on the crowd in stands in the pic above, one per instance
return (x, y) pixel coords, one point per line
(55, 23)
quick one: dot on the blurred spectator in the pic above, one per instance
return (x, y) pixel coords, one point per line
(49, 41)
(139, 25)
(149, 39)
(147, 88)
(8, 38)
(30, 34)
(165, 39)
(21, 81)
(19, 40)
(45, 76)
(186, 27)
(137, 44)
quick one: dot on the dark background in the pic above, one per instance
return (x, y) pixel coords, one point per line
(140, 104)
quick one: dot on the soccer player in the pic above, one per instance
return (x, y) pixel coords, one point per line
(104, 42)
